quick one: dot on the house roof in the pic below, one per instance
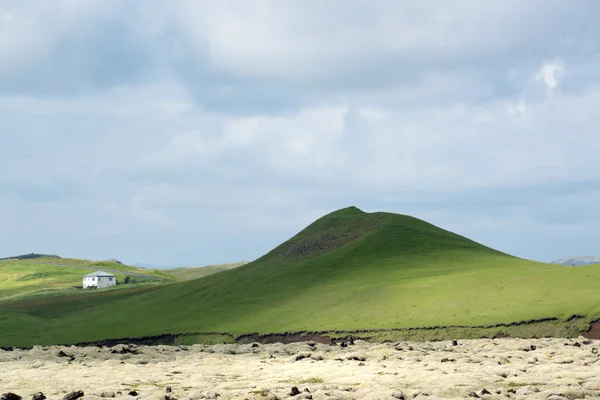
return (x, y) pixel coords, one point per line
(99, 273)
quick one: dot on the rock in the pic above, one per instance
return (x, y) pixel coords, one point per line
(169, 389)
(305, 395)
(473, 394)
(133, 393)
(39, 396)
(295, 391)
(398, 395)
(454, 343)
(350, 340)
(74, 395)
(168, 397)
(108, 395)
(65, 355)
(10, 396)
(212, 395)
(356, 358)
(484, 391)
(343, 344)
(445, 360)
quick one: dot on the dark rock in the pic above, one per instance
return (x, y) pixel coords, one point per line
(473, 394)
(594, 350)
(454, 343)
(498, 391)
(484, 391)
(398, 395)
(513, 391)
(343, 344)
(332, 343)
(254, 345)
(74, 395)
(306, 390)
(133, 393)
(295, 391)
(65, 355)
(445, 360)
(410, 348)
(169, 389)
(10, 396)
(301, 357)
(362, 364)
(39, 396)
(168, 397)
(350, 340)
(6, 348)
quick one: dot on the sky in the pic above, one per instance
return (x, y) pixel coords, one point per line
(187, 132)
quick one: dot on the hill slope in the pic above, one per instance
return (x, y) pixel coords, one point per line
(190, 273)
(348, 270)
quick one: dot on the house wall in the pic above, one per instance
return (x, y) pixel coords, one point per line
(99, 281)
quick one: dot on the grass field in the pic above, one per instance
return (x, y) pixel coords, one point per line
(190, 273)
(347, 271)
(43, 275)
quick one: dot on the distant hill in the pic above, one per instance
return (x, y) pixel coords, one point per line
(578, 261)
(380, 275)
(189, 273)
(29, 256)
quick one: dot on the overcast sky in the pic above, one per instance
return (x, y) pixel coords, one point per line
(194, 132)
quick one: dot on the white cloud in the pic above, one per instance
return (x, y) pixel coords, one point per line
(550, 73)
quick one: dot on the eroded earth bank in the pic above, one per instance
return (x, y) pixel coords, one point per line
(495, 368)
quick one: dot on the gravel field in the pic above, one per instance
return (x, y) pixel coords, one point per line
(550, 369)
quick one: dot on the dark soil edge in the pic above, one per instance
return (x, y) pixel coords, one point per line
(579, 326)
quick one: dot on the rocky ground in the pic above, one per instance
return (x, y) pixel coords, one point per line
(550, 369)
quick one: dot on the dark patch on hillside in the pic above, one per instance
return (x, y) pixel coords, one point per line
(29, 256)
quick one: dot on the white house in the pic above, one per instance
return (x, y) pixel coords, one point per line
(99, 280)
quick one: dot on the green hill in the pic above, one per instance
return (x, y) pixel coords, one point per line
(347, 271)
(36, 274)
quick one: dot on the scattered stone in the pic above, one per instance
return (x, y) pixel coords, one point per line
(295, 391)
(343, 344)
(133, 393)
(454, 343)
(473, 394)
(484, 391)
(398, 395)
(212, 395)
(39, 396)
(108, 395)
(10, 396)
(169, 389)
(356, 358)
(445, 360)
(302, 356)
(65, 355)
(498, 391)
(74, 395)
(254, 345)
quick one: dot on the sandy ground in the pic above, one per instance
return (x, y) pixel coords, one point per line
(506, 368)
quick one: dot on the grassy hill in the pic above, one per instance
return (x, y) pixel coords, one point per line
(190, 273)
(35, 274)
(347, 271)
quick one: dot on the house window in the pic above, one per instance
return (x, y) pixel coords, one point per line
(110, 278)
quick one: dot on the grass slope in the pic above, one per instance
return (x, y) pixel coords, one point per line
(348, 270)
(190, 273)
(24, 277)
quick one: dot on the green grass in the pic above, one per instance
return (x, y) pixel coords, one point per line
(30, 277)
(190, 273)
(347, 271)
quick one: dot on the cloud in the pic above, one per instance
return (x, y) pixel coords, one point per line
(176, 132)
(549, 74)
